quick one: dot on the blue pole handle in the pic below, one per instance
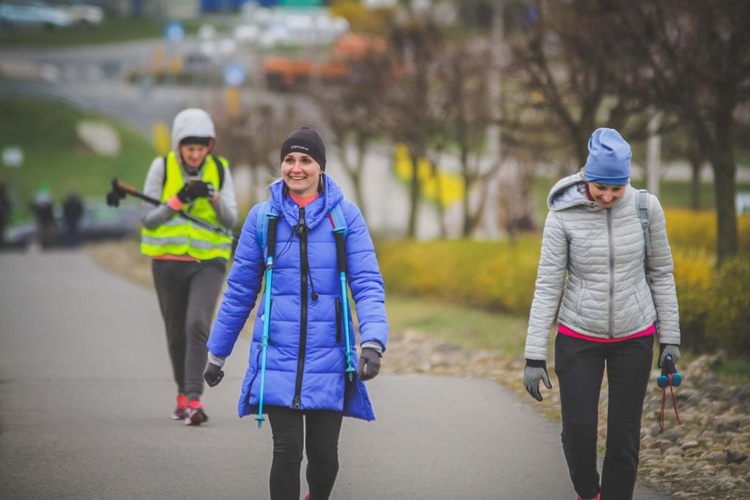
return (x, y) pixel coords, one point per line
(345, 309)
(264, 343)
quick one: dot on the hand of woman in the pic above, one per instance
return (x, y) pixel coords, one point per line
(369, 364)
(535, 371)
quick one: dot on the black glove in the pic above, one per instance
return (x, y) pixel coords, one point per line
(200, 189)
(184, 194)
(114, 197)
(213, 374)
(116, 194)
(195, 189)
(369, 364)
(535, 371)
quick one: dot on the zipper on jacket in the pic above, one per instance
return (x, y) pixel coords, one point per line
(611, 242)
(301, 229)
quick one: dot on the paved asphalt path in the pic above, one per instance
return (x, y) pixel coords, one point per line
(86, 397)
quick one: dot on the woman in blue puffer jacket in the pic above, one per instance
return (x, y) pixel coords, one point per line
(301, 373)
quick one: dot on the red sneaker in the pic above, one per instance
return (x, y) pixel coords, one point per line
(307, 497)
(181, 411)
(595, 498)
(194, 414)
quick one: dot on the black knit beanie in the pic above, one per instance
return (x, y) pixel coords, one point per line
(305, 140)
(201, 141)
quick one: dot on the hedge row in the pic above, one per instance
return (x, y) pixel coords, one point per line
(690, 229)
(500, 276)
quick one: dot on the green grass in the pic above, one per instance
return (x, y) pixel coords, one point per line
(113, 30)
(46, 132)
(469, 328)
(733, 370)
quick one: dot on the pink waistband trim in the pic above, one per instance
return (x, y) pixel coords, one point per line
(572, 333)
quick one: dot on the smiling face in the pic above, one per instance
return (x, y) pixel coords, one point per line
(301, 174)
(605, 195)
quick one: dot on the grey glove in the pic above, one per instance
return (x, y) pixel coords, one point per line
(369, 364)
(668, 350)
(535, 371)
(213, 374)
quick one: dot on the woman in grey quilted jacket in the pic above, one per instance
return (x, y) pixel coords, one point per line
(594, 255)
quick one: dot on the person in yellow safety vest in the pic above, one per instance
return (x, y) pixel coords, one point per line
(189, 262)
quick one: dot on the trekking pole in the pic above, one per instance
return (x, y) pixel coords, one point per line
(270, 250)
(120, 189)
(341, 258)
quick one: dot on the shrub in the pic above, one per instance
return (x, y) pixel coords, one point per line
(697, 230)
(693, 273)
(728, 319)
(496, 276)
(500, 277)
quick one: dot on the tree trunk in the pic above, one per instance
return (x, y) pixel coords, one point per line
(695, 185)
(725, 185)
(357, 176)
(353, 171)
(414, 192)
(725, 174)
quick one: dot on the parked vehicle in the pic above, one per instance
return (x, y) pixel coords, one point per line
(18, 14)
(99, 223)
(289, 73)
(83, 13)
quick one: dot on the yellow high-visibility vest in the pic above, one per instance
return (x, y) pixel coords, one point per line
(180, 236)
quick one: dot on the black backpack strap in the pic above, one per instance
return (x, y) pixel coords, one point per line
(164, 179)
(271, 236)
(220, 166)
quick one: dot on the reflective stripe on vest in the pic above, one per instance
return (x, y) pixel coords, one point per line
(180, 236)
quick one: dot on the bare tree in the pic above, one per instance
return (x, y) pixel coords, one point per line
(693, 59)
(408, 113)
(252, 136)
(352, 108)
(465, 116)
(563, 68)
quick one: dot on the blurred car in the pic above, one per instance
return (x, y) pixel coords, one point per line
(100, 222)
(18, 14)
(83, 13)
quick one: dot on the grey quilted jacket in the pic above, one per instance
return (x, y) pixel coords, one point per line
(594, 258)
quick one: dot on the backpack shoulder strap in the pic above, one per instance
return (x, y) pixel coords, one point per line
(164, 180)
(338, 221)
(338, 225)
(266, 216)
(642, 208)
(220, 166)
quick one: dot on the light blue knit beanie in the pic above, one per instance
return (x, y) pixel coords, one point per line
(609, 158)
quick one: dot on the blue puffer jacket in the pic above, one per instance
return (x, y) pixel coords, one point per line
(306, 354)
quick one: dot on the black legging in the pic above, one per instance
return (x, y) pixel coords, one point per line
(321, 441)
(580, 365)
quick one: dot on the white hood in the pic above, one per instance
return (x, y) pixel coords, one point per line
(191, 122)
